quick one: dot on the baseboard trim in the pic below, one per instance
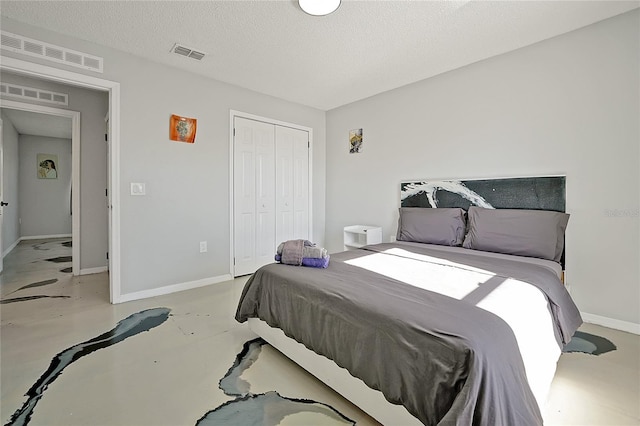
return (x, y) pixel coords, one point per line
(174, 288)
(44, 237)
(14, 245)
(627, 326)
(89, 271)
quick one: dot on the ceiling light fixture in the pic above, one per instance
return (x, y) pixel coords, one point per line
(319, 7)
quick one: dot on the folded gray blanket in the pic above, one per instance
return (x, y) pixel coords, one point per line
(308, 251)
(292, 252)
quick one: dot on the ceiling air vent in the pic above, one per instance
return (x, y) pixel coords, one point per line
(33, 94)
(186, 51)
(50, 52)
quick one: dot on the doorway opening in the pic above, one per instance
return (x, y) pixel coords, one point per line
(47, 73)
(67, 123)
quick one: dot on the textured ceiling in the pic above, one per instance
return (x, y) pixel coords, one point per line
(364, 48)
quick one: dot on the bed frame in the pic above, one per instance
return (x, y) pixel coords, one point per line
(339, 379)
(536, 193)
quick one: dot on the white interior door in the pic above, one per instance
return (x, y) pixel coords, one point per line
(292, 184)
(253, 200)
(1, 195)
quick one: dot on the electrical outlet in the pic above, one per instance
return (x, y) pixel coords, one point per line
(203, 246)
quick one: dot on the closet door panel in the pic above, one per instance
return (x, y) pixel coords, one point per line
(284, 185)
(265, 198)
(253, 199)
(301, 184)
(292, 198)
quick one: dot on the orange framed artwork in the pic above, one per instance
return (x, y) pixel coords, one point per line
(182, 129)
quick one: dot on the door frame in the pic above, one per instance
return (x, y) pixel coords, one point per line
(45, 72)
(232, 115)
(75, 167)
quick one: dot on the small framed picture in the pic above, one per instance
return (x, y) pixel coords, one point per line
(355, 141)
(182, 129)
(47, 166)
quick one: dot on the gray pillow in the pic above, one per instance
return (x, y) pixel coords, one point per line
(443, 226)
(533, 233)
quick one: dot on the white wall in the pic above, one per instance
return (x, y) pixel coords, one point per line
(187, 185)
(10, 225)
(44, 204)
(568, 105)
(93, 106)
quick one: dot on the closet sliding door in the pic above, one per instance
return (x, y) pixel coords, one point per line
(271, 190)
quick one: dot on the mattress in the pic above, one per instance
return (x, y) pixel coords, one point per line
(453, 335)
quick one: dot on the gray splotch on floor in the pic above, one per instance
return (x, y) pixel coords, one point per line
(27, 298)
(67, 270)
(59, 259)
(268, 409)
(232, 384)
(128, 327)
(589, 344)
(263, 409)
(37, 284)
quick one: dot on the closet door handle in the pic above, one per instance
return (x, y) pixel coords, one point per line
(2, 204)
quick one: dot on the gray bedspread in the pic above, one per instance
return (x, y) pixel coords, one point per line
(445, 360)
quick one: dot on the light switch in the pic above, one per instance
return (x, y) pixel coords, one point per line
(138, 189)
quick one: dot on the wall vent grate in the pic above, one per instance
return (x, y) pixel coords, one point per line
(29, 93)
(50, 52)
(33, 94)
(54, 53)
(10, 42)
(188, 52)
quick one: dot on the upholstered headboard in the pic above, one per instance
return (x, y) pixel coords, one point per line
(532, 193)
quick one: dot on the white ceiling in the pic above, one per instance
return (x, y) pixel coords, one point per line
(364, 48)
(36, 124)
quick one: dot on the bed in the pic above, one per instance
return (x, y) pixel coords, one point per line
(440, 327)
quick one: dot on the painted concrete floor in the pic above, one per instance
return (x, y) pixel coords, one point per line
(170, 374)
